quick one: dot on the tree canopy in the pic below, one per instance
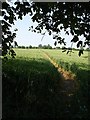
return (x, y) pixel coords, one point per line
(72, 17)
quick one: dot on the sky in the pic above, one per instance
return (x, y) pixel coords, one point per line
(26, 38)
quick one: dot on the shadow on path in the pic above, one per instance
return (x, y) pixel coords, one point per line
(34, 89)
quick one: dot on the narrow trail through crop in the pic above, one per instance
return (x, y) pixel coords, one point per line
(68, 83)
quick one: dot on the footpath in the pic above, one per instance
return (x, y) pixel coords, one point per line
(68, 82)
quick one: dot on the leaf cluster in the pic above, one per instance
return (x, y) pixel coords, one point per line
(73, 18)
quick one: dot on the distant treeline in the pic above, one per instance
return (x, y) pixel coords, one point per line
(40, 46)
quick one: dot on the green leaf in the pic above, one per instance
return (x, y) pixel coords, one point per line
(55, 43)
(75, 39)
(49, 32)
(79, 43)
(68, 51)
(80, 52)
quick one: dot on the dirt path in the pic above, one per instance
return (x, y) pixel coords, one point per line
(68, 83)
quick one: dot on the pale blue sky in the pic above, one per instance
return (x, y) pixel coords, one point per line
(26, 38)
